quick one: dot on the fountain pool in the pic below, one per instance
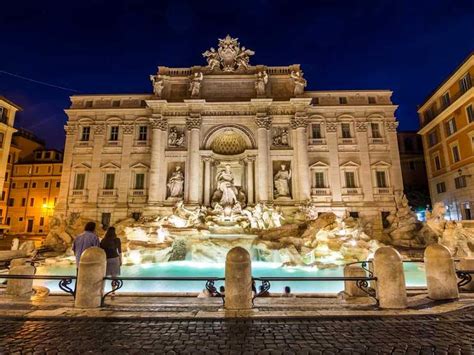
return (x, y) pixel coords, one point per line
(414, 273)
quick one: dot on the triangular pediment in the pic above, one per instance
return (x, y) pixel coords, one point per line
(381, 163)
(110, 165)
(319, 164)
(139, 165)
(81, 166)
(350, 164)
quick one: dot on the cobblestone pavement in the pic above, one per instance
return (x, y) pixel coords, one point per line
(452, 333)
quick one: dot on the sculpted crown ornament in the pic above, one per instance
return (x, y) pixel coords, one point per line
(229, 56)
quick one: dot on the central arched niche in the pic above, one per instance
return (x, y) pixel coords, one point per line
(228, 140)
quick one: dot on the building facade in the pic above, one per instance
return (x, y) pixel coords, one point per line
(34, 190)
(412, 161)
(230, 132)
(447, 128)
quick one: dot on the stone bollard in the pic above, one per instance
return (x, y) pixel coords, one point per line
(440, 273)
(467, 264)
(350, 287)
(238, 280)
(90, 279)
(20, 288)
(388, 268)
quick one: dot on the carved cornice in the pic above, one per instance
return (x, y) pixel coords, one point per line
(127, 129)
(299, 121)
(159, 123)
(194, 121)
(70, 129)
(361, 126)
(263, 121)
(391, 126)
(99, 129)
(331, 127)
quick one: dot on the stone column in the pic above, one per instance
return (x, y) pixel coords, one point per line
(125, 173)
(156, 192)
(250, 180)
(193, 124)
(395, 170)
(299, 124)
(90, 278)
(94, 181)
(391, 288)
(67, 173)
(207, 181)
(365, 169)
(263, 157)
(441, 277)
(334, 173)
(238, 280)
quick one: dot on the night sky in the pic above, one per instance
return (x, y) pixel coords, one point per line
(112, 47)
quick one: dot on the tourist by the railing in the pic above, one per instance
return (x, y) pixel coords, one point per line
(205, 293)
(287, 292)
(113, 251)
(85, 240)
(262, 292)
(222, 290)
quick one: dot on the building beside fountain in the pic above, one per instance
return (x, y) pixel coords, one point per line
(229, 135)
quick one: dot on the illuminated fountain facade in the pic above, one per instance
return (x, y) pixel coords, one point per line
(227, 154)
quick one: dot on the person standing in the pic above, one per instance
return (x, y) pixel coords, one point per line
(85, 240)
(113, 251)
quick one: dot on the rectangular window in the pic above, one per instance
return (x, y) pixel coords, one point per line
(432, 138)
(350, 179)
(139, 181)
(13, 185)
(80, 181)
(445, 100)
(465, 83)
(470, 113)
(11, 202)
(46, 184)
(41, 223)
(109, 181)
(25, 185)
(316, 130)
(3, 196)
(23, 202)
(375, 130)
(142, 133)
(32, 202)
(451, 126)
(33, 184)
(343, 100)
(346, 130)
(2, 136)
(440, 187)
(460, 182)
(86, 134)
(8, 220)
(456, 156)
(47, 155)
(58, 183)
(114, 133)
(372, 100)
(381, 181)
(437, 162)
(320, 180)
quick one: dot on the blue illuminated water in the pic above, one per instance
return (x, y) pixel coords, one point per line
(414, 275)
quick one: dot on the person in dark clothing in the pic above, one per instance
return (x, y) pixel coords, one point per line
(113, 250)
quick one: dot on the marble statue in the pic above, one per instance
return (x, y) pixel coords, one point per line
(212, 58)
(176, 183)
(195, 84)
(300, 82)
(175, 138)
(158, 85)
(261, 82)
(280, 137)
(225, 184)
(281, 182)
(229, 56)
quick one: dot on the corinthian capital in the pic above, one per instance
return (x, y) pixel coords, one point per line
(299, 121)
(361, 126)
(263, 121)
(70, 129)
(193, 121)
(99, 129)
(331, 127)
(391, 126)
(127, 129)
(159, 123)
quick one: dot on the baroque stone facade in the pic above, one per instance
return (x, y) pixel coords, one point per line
(223, 133)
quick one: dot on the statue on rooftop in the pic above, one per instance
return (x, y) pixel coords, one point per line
(229, 56)
(195, 84)
(158, 85)
(300, 82)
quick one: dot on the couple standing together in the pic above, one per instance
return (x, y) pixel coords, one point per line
(110, 244)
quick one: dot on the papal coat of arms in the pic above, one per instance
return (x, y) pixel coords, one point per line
(229, 56)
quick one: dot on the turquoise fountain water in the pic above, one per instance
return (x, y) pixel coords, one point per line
(414, 273)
